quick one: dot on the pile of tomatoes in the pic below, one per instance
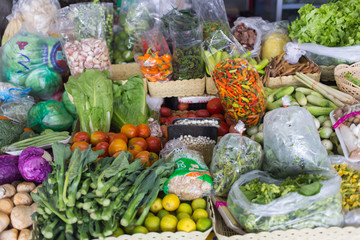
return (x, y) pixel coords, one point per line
(135, 139)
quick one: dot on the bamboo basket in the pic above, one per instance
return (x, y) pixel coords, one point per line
(289, 80)
(343, 83)
(210, 86)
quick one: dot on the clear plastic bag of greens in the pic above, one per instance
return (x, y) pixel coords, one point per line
(17, 108)
(233, 156)
(292, 143)
(186, 37)
(191, 178)
(299, 206)
(350, 173)
(212, 14)
(34, 61)
(239, 86)
(82, 29)
(49, 114)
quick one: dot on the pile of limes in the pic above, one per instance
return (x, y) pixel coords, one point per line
(170, 215)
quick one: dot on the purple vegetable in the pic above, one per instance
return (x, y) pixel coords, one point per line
(33, 164)
(9, 171)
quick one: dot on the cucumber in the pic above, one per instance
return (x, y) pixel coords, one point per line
(322, 119)
(300, 98)
(306, 91)
(316, 94)
(287, 91)
(320, 111)
(272, 106)
(280, 103)
(270, 98)
(318, 101)
(268, 91)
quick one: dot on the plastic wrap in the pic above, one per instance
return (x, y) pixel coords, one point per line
(289, 211)
(82, 28)
(186, 37)
(34, 61)
(250, 40)
(239, 86)
(17, 108)
(351, 217)
(292, 143)
(153, 54)
(191, 178)
(233, 156)
(212, 14)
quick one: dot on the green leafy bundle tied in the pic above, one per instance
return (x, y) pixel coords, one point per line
(93, 98)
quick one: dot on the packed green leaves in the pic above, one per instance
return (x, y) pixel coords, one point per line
(93, 98)
(86, 200)
(332, 25)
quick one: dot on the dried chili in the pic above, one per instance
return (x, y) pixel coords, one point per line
(240, 90)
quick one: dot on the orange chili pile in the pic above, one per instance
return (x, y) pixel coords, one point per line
(155, 67)
(240, 90)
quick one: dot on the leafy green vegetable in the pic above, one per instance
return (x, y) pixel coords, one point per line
(130, 103)
(93, 97)
(332, 25)
(9, 132)
(352, 79)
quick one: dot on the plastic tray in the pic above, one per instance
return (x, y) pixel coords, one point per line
(195, 103)
(341, 140)
(176, 131)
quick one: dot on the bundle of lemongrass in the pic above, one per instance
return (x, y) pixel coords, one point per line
(337, 97)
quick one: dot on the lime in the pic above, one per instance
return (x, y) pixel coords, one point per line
(128, 56)
(150, 214)
(183, 215)
(168, 223)
(203, 224)
(200, 213)
(184, 207)
(118, 232)
(152, 223)
(157, 206)
(170, 202)
(186, 225)
(162, 213)
(129, 230)
(198, 203)
(140, 229)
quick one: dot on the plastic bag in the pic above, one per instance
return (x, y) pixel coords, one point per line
(82, 30)
(191, 178)
(212, 14)
(49, 114)
(233, 156)
(289, 211)
(153, 54)
(292, 143)
(34, 61)
(322, 55)
(351, 217)
(186, 37)
(239, 87)
(248, 32)
(17, 108)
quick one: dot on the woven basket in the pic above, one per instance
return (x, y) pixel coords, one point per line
(210, 86)
(289, 80)
(327, 73)
(224, 233)
(123, 71)
(343, 83)
(179, 88)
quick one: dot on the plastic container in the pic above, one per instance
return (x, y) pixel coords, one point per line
(195, 103)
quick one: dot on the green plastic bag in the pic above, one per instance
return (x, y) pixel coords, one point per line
(50, 114)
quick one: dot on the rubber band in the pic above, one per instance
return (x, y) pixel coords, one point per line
(220, 204)
(314, 84)
(343, 118)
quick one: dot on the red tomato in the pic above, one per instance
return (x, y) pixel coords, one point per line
(202, 113)
(164, 131)
(98, 137)
(165, 112)
(81, 145)
(229, 121)
(214, 106)
(147, 158)
(134, 149)
(154, 144)
(144, 130)
(223, 129)
(118, 136)
(191, 115)
(184, 115)
(163, 120)
(117, 145)
(139, 141)
(171, 119)
(81, 137)
(218, 116)
(105, 146)
(183, 106)
(130, 130)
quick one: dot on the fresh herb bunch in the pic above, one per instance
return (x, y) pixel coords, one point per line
(333, 25)
(209, 27)
(186, 37)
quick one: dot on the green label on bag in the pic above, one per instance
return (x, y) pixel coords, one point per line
(189, 168)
